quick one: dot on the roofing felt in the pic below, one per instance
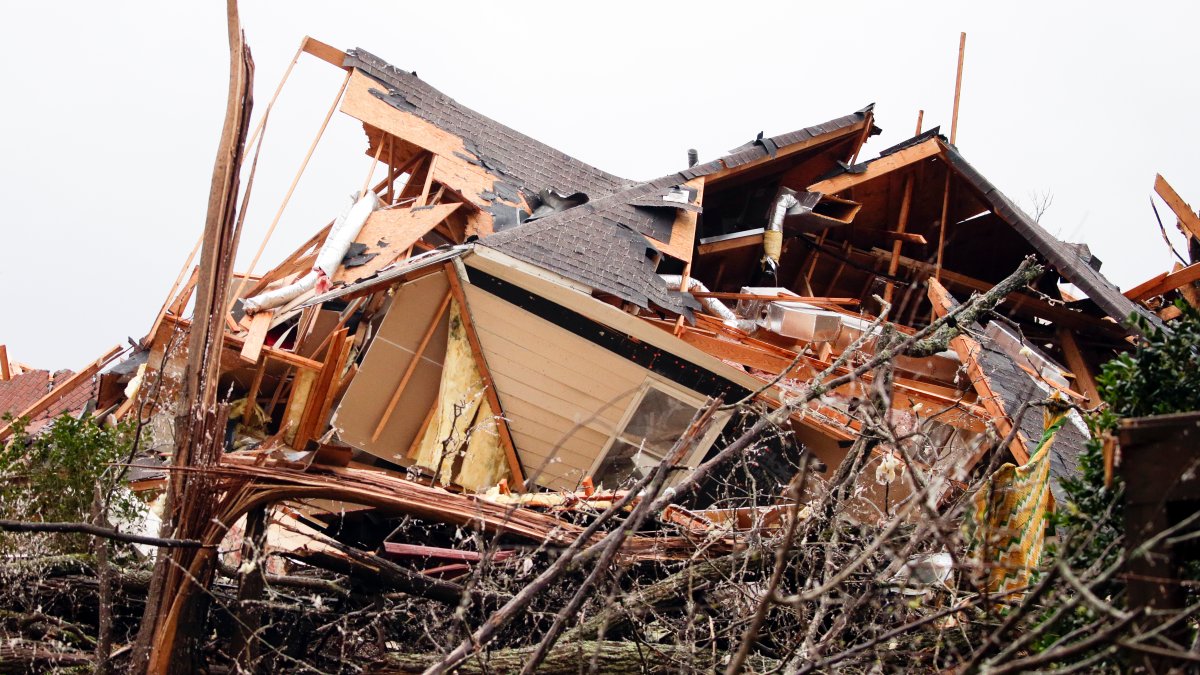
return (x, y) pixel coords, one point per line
(601, 243)
(526, 163)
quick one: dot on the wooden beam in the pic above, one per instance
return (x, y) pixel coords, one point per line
(489, 386)
(879, 167)
(1187, 217)
(898, 236)
(901, 226)
(54, 396)
(968, 351)
(326, 53)
(423, 199)
(5, 376)
(1164, 283)
(412, 367)
(1079, 366)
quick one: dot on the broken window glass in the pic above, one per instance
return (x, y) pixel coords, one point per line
(657, 422)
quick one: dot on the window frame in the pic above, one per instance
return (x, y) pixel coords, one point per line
(683, 395)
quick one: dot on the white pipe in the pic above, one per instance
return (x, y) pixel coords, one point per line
(713, 305)
(343, 233)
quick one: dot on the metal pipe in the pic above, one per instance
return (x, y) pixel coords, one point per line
(713, 305)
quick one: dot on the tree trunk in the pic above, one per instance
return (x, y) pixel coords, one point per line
(612, 658)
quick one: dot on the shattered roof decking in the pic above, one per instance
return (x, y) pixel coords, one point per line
(527, 163)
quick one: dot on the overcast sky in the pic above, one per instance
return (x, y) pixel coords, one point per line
(111, 113)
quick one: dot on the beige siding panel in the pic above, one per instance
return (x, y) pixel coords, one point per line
(587, 411)
(388, 356)
(548, 380)
(545, 347)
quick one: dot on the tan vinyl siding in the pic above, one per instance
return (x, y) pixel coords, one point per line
(549, 380)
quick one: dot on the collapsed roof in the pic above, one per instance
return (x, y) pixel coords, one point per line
(490, 282)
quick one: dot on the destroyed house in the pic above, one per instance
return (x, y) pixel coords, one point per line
(495, 315)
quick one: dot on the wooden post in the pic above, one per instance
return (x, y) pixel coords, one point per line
(1079, 367)
(962, 48)
(374, 163)
(920, 119)
(905, 203)
(5, 376)
(255, 385)
(937, 270)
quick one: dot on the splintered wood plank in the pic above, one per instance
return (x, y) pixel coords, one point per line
(326, 53)
(390, 233)
(259, 325)
(1164, 283)
(879, 167)
(1187, 217)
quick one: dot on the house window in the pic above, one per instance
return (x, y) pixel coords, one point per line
(657, 419)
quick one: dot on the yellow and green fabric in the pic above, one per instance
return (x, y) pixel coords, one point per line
(1006, 526)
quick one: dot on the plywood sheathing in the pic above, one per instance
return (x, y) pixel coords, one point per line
(387, 359)
(389, 234)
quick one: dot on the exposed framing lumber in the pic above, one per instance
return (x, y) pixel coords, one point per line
(453, 271)
(1164, 283)
(898, 236)
(236, 343)
(1187, 217)
(255, 385)
(5, 375)
(1084, 381)
(968, 350)
(327, 53)
(937, 270)
(54, 396)
(901, 226)
(321, 395)
(879, 167)
(260, 323)
(291, 190)
(418, 354)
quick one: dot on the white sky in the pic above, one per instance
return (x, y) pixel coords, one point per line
(111, 112)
